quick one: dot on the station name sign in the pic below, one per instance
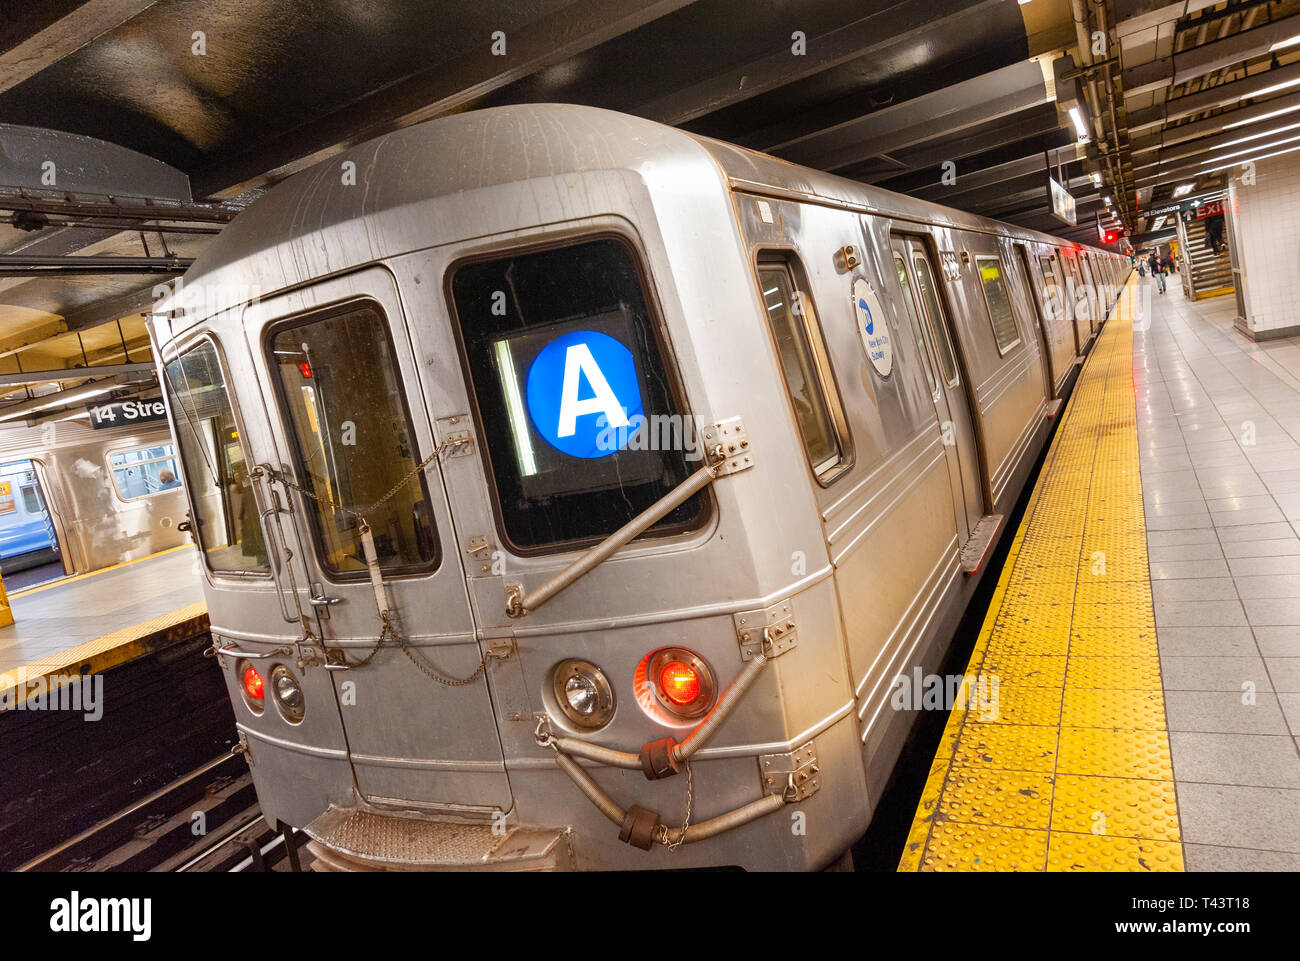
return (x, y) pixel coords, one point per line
(137, 410)
(1062, 201)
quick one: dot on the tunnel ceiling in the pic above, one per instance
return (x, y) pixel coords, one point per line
(230, 96)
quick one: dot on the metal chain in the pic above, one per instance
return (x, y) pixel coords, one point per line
(361, 515)
(388, 630)
(686, 821)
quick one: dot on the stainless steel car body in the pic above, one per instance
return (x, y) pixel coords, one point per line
(870, 564)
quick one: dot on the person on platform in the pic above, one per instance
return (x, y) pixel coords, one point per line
(167, 480)
(1157, 268)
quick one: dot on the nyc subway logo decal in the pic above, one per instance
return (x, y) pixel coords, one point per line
(580, 385)
(871, 327)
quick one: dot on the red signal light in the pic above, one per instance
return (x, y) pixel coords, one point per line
(253, 683)
(305, 369)
(679, 682)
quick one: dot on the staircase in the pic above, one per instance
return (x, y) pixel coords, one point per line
(1210, 273)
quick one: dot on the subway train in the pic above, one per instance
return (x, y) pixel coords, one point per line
(599, 480)
(77, 499)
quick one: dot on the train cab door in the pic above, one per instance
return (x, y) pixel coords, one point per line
(924, 301)
(356, 451)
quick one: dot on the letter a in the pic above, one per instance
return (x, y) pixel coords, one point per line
(578, 361)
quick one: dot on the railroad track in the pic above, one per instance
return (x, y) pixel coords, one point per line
(206, 820)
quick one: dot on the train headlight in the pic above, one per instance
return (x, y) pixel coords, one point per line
(252, 686)
(682, 682)
(583, 693)
(288, 694)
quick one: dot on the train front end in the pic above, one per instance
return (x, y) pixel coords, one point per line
(508, 546)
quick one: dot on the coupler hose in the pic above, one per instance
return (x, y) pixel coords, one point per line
(664, 758)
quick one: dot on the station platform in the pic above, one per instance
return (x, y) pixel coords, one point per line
(91, 622)
(1144, 634)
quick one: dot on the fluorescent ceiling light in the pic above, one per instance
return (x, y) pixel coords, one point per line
(1107, 199)
(1262, 146)
(1283, 44)
(1267, 116)
(1238, 163)
(1079, 125)
(1096, 178)
(1182, 190)
(1273, 89)
(1265, 133)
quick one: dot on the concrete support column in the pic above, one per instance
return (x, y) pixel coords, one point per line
(1263, 230)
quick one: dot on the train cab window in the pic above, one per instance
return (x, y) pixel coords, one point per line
(224, 515)
(582, 425)
(936, 320)
(999, 303)
(914, 316)
(341, 394)
(807, 374)
(142, 471)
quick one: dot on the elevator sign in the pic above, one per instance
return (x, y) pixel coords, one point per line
(580, 385)
(138, 410)
(871, 327)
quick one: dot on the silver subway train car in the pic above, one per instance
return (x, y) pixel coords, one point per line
(80, 499)
(598, 481)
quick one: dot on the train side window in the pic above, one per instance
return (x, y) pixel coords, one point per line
(339, 388)
(1053, 301)
(804, 366)
(999, 303)
(582, 423)
(142, 471)
(935, 318)
(224, 514)
(906, 283)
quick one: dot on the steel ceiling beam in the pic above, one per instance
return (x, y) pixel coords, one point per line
(999, 173)
(902, 23)
(1244, 116)
(74, 373)
(1189, 105)
(1042, 121)
(940, 113)
(38, 44)
(1208, 57)
(441, 89)
(23, 265)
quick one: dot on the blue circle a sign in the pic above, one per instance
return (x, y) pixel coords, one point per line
(581, 385)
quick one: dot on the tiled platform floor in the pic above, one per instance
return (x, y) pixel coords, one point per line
(69, 613)
(1219, 442)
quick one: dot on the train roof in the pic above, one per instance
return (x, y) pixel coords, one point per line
(315, 223)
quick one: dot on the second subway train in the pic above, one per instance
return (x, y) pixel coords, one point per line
(601, 480)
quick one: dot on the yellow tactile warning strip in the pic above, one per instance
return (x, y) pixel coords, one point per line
(110, 650)
(1064, 764)
(103, 570)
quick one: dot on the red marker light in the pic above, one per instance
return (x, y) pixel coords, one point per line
(253, 683)
(679, 682)
(305, 369)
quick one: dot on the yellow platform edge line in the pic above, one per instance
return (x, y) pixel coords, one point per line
(998, 796)
(95, 573)
(110, 650)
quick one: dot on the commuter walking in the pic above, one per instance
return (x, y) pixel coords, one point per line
(1157, 268)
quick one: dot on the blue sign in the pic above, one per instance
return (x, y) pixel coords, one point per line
(582, 384)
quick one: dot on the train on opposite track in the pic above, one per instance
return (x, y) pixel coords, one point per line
(599, 480)
(75, 498)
